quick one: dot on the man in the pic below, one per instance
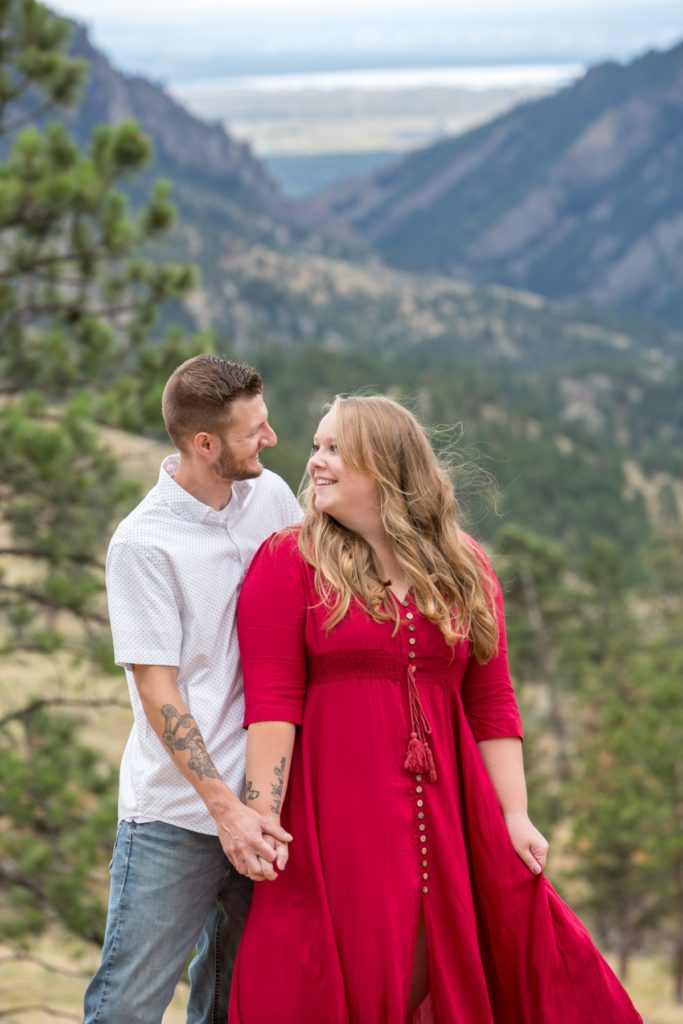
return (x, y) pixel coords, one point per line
(187, 846)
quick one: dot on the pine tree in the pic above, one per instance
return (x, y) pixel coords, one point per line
(78, 300)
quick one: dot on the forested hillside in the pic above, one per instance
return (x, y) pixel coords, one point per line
(576, 196)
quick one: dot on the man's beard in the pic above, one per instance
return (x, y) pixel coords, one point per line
(227, 467)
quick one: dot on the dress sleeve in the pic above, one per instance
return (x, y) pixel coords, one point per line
(271, 618)
(487, 693)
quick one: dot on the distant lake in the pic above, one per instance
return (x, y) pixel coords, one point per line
(483, 77)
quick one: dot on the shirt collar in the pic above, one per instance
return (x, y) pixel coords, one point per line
(184, 504)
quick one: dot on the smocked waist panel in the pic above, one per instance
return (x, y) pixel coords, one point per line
(339, 666)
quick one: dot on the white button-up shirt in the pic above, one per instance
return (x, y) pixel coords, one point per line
(174, 570)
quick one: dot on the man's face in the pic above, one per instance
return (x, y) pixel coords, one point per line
(246, 434)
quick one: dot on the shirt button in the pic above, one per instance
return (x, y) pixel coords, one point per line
(425, 889)
(424, 863)
(421, 827)
(412, 640)
(425, 875)
(411, 654)
(404, 603)
(410, 616)
(418, 789)
(424, 848)
(420, 814)
(411, 628)
(418, 778)
(420, 803)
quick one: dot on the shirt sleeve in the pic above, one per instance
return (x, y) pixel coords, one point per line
(143, 607)
(271, 619)
(487, 693)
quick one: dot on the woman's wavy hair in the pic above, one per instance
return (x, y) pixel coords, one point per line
(450, 583)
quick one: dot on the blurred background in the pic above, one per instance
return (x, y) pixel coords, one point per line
(479, 212)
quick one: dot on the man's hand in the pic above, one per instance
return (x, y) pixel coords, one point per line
(252, 842)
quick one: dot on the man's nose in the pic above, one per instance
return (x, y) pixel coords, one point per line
(270, 437)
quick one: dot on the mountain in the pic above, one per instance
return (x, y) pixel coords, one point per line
(577, 415)
(577, 196)
(216, 178)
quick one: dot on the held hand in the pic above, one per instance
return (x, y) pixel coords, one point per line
(248, 840)
(281, 852)
(528, 842)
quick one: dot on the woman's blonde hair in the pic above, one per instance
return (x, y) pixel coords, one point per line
(451, 586)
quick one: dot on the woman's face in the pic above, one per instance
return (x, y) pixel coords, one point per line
(350, 497)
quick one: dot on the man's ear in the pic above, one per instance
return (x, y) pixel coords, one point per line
(204, 444)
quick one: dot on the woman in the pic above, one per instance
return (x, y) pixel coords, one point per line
(383, 730)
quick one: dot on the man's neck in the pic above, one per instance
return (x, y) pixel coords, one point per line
(210, 490)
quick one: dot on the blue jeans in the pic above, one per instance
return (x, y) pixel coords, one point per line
(171, 890)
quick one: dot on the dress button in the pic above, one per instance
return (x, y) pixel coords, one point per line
(420, 803)
(418, 789)
(410, 616)
(420, 814)
(424, 863)
(411, 654)
(425, 889)
(425, 875)
(418, 778)
(411, 628)
(424, 848)
(412, 640)
(404, 603)
(421, 827)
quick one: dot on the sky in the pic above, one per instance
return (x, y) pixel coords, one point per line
(173, 40)
(177, 10)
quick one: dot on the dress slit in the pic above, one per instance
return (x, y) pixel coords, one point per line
(422, 1012)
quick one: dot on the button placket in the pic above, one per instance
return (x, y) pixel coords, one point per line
(419, 788)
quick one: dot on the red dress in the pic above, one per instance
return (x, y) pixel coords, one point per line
(332, 940)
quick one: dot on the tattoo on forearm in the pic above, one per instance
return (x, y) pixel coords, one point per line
(174, 722)
(277, 786)
(252, 794)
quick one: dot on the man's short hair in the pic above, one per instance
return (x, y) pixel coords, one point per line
(198, 395)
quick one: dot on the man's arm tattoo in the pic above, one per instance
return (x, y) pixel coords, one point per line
(252, 794)
(277, 786)
(175, 739)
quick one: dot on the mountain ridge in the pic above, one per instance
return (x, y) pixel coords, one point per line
(214, 174)
(574, 196)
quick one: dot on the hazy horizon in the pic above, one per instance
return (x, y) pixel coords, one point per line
(218, 43)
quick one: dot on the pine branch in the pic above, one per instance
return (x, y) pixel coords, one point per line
(36, 553)
(43, 964)
(38, 261)
(38, 598)
(26, 117)
(62, 702)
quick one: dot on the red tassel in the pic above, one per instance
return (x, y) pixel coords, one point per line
(419, 759)
(430, 763)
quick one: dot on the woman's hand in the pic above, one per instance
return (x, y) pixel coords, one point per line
(281, 857)
(528, 842)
